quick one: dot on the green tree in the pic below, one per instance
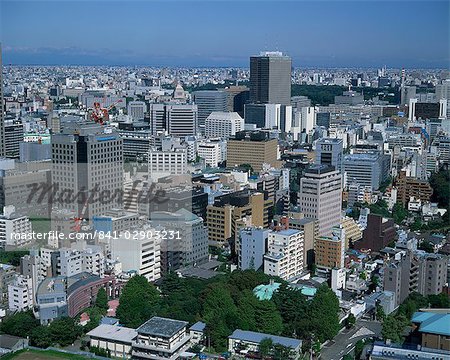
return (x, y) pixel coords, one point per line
(265, 347)
(324, 314)
(281, 352)
(392, 329)
(220, 314)
(12, 257)
(101, 301)
(440, 182)
(20, 324)
(268, 319)
(41, 337)
(416, 225)
(138, 302)
(359, 347)
(380, 208)
(379, 313)
(440, 301)
(350, 321)
(64, 331)
(426, 246)
(246, 310)
(293, 308)
(374, 282)
(399, 213)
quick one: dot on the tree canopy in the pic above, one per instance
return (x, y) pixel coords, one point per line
(138, 302)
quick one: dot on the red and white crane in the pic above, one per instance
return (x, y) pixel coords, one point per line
(100, 114)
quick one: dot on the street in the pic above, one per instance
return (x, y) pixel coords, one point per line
(345, 341)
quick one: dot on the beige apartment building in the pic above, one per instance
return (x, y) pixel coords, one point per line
(254, 149)
(231, 212)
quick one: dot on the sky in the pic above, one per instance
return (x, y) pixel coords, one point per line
(359, 33)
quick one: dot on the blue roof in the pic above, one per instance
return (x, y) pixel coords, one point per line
(109, 320)
(265, 292)
(433, 323)
(198, 326)
(255, 337)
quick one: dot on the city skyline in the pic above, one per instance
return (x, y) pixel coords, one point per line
(155, 33)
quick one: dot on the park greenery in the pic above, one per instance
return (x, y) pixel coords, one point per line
(440, 182)
(324, 94)
(61, 332)
(226, 302)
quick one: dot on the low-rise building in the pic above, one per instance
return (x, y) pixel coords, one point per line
(116, 339)
(433, 329)
(161, 338)
(197, 332)
(60, 296)
(241, 342)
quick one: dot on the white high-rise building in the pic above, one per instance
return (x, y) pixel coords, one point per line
(70, 262)
(308, 118)
(2, 116)
(137, 110)
(20, 294)
(329, 152)
(285, 255)
(164, 163)
(140, 253)
(210, 152)
(14, 229)
(157, 119)
(321, 196)
(223, 124)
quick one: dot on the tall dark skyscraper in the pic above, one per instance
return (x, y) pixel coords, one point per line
(270, 78)
(2, 116)
(87, 158)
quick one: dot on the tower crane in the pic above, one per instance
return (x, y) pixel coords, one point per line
(100, 114)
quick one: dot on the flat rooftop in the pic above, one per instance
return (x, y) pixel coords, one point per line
(113, 332)
(158, 326)
(255, 337)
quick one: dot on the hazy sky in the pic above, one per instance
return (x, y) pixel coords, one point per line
(226, 33)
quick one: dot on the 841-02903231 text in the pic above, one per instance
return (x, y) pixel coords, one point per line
(139, 234)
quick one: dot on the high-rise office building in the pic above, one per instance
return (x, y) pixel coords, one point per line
(223, 124)
(208, 101)
(253, 243)
(157, 118)
(270, 78)
(321, 197)
(2, 115)
(87, 161)
(182, 120)
(167, 162)
(190, 241)
(252, 148)
(137, 110)
(329, 152)
(367, 169)
(13, 136)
